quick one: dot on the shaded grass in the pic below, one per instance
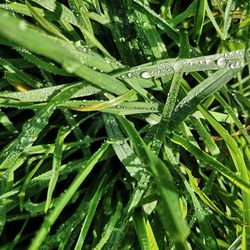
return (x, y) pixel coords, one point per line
(124, 125)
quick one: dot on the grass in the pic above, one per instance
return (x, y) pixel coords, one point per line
(124, 124)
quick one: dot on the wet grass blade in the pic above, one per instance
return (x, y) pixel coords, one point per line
(53, 215)
(199, 19)
(57, 159)
(205, 89)
(175, 224)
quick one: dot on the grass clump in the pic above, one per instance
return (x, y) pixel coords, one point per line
(124, 124)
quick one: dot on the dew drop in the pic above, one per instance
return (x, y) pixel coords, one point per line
(146, 75)
(130, 75)
(242, 64)
(22, 25)
(239, 52)
(208, 62)
(221, 62)
(232, 66)
(169, 69)
(71, 66)
(25, 141)
(177, 67)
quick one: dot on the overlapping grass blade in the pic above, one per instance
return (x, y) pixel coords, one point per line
(174, 224)
(205, 89)
(53, 215)
(199, 18)
(31, 130)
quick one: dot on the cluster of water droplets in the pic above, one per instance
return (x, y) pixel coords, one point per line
(234, 59)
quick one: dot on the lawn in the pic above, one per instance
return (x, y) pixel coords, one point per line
(124, 124)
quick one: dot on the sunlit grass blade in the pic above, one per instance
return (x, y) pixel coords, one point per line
(31, 129)
(144, 231)
(205, 89)
(48, 26)
(107, 104)
(91, 212)
(175, 224)
(201, 155)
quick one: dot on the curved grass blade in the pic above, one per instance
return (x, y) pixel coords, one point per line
(91, 211)
(202, 156)
(31, 130)
(53, 215)
(194, 97)
(58, 50)
(5, 121)
(185, 14)
(144, 231)
(45, 24)
(57, 158)
(174, 223)
(107, 104)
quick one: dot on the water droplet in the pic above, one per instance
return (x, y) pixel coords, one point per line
(208, 62)
(239, 52)
(146, 75)
(22, 25)
(107, 60)
(177, 67)
(71, 66)
(129, 75)
(26, 141)
(221, 62)
(242, 64)
(169, 69)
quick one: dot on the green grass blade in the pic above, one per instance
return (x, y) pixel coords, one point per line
(53, 215)
(109, 227)
(31, 129)
(167, 112)
(45, 24)
(233, 177)
(91, 212)
(205, 89)
(199, 19)
(144, 231)
(175, 224)
(57, 158)
(228, 18)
